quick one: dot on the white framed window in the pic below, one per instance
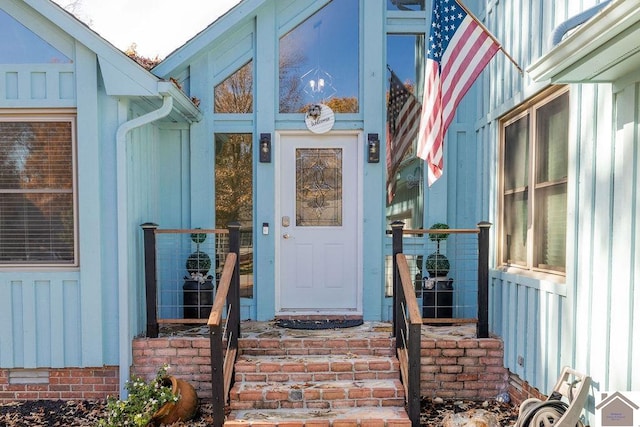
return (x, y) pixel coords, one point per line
(37, 189)
(533, 184)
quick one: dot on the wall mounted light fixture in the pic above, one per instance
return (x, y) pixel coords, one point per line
(265, 148)
(373, 148)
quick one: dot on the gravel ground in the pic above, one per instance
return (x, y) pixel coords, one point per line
(52, 413)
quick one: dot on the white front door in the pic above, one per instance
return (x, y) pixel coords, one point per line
(318, 243)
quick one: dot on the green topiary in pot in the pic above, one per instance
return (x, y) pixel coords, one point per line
(437, 265)
(198, 263)
(438, 237)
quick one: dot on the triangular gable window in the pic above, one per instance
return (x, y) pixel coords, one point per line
(21, 46)
(235, 94)
(319, 60)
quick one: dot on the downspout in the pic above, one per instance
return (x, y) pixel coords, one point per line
(559, 32)
(123, 246)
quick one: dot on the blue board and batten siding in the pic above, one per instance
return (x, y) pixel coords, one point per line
(68, 316)
(48, 320)
(588, 320)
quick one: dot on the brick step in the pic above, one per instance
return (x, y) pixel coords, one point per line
(351, 417)
(315, 368)
(317, 395)
(375, 344)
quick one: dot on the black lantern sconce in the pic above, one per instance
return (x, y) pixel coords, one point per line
(373, 148)
(265, 148)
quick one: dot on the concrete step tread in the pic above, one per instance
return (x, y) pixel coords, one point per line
(322, 385)
(366, 416)
(320, 362)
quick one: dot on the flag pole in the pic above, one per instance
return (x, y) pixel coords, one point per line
(490, 35)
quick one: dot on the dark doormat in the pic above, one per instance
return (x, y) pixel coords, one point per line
(318, 324)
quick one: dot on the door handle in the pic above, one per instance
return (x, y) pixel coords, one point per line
(286, 236)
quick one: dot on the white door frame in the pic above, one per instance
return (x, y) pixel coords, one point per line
(278, 229)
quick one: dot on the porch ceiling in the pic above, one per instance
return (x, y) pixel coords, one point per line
(604, 49)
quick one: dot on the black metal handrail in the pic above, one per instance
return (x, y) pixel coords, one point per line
(407, 319)
(223, 320)
(228, 295)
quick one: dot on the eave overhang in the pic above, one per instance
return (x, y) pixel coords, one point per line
(604, 49)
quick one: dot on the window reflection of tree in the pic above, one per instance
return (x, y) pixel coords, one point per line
(235, 94)
(36, 213)
(301, 45)
(234, 179)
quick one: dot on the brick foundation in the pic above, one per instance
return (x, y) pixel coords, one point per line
(188, 358)
(58, 384)
(467, 368)
(520, 390)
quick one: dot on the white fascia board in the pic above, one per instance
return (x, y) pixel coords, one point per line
(594, 34)
(200, 41)
(181, 101)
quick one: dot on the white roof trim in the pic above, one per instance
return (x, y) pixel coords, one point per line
(122, 75)
(589, 40)
(200, 41)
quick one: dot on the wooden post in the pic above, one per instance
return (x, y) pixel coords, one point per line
(396, 228)
(483, 280)
(150, 279)
(233, 299)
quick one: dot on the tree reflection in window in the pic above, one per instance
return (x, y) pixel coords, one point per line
(234, 196)
(323, 47)
(235, 94)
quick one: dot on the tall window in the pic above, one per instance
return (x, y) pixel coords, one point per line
(405, 177)
(234, 196)
(534, 185)
(37, 220)
(319, 60)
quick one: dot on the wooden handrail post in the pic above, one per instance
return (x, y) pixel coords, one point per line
(396, 227)
(483, 280)
(233, 298)
(217, 375)
(150, 278)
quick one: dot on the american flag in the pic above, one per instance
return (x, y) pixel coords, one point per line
(458, 49)
(403, 118)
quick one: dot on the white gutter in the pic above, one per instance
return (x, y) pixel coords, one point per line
(123, 244)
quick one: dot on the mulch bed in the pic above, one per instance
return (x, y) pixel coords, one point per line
(54, 413)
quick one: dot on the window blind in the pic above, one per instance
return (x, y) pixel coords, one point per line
(36, 192)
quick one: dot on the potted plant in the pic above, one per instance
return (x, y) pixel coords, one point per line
(198, 285)
(163, 400)
(438, 287)
(437, 264)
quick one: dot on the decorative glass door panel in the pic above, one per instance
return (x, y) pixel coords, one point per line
(318, 187)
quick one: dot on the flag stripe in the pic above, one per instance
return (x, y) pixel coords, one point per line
(403, 121)
(458, 50)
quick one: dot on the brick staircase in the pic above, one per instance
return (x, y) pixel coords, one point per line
(318, 378)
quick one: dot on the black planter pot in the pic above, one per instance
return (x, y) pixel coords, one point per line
(198, 298)
(437, 298)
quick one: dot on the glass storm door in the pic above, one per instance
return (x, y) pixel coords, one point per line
(318, 238)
